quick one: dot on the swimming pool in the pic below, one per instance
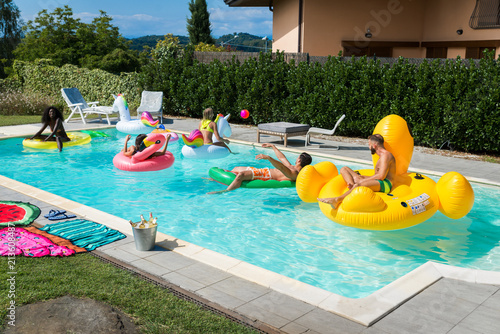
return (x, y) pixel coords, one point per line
(270, 228)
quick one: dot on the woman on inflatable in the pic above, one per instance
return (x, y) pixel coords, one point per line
(53, 118)
(146, 155)
(140, 146)
(208, 128)
(209, 142)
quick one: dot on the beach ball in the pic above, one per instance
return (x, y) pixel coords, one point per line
(244, 114)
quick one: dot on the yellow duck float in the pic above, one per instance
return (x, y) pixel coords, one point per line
(414, 198)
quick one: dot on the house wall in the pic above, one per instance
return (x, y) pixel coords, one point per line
(285, 25)
(327, 23)
(444, 17)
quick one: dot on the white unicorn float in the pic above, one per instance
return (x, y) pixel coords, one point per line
(137, 126)
(194, 147)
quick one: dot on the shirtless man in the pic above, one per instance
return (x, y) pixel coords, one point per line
(284, 169)
(380, 181)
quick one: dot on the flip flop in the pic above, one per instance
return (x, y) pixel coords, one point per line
(61, 216)
(54, 213)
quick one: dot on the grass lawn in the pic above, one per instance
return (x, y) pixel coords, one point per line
(18, 120)
(153, 309)
(23, 119)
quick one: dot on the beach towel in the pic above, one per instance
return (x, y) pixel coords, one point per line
(16, 241)
(17, 213)
(84, 233)
(55, 239)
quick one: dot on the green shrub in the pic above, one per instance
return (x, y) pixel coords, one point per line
(95, 85)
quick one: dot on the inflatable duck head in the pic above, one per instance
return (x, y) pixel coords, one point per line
(397, 140)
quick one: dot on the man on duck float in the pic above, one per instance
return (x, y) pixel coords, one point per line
(284, 169)
(381, 181)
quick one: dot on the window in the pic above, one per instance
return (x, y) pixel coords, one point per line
(369, 51)
(475, 52)
(486, 15)
(436, 52)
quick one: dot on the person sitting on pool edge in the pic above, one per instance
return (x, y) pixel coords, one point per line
(53, 118)
(139, 146)
(208, 128)
(380, 181)
(283, 170)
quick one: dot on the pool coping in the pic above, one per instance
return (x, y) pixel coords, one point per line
(365, 311)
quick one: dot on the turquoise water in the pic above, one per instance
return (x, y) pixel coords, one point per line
(270, 228)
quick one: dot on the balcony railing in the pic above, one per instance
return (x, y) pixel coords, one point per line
(486, 15)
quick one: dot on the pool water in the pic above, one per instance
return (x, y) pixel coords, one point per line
(270, 228)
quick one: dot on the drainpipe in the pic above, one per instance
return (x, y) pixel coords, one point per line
(299, 44)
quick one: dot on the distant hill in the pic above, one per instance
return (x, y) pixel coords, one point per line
(243, 42)
(140, 42)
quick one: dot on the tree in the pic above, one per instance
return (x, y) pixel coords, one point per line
(199, 24)
(66, 40)
(167, 48)
(52, 36)
(10, 32)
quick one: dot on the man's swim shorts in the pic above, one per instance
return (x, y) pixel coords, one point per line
(260, 173)
(385, 186)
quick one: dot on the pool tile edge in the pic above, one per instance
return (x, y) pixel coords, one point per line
(365, 311)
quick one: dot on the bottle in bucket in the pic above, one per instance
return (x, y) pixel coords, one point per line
(145, 233)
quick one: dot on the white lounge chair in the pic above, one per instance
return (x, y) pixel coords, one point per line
(323, 132)
(151, 102)
(77, 104)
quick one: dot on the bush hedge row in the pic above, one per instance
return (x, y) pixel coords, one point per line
(94, 85)
(457, 103)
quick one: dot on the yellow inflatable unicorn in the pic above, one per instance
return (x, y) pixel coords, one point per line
(414, 198)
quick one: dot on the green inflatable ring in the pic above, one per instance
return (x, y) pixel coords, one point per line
(225, 177)
(93, 133)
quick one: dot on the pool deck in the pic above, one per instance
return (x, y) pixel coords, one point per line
(434, 298)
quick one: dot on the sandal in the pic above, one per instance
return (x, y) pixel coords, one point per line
(54, 213)
(61, 216)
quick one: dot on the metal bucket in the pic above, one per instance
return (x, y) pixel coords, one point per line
(144, 238)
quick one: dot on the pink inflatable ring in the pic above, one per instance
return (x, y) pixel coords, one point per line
(139, 162)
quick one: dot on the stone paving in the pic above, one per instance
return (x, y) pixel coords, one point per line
(452, 303)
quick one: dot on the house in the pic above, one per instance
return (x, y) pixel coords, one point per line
(385, 28)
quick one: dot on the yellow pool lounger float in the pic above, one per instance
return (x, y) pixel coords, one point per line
(77, 138)
(414, 198)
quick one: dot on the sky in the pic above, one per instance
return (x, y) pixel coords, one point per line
(158, 17)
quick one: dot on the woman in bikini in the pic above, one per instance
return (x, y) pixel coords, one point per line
(208, 128)
(283, 169)
(139, 146)
(53, 118)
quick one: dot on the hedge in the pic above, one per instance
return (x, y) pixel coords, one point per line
(457, 103)
(94, 85)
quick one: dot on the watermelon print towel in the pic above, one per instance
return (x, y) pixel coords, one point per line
(84, 233)
(17, 213)
(17, 241)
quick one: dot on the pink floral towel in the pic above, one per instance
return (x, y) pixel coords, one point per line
(17, 241)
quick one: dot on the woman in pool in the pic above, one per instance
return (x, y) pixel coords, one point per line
(139, 146)
(53, 118)
(208, 128)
